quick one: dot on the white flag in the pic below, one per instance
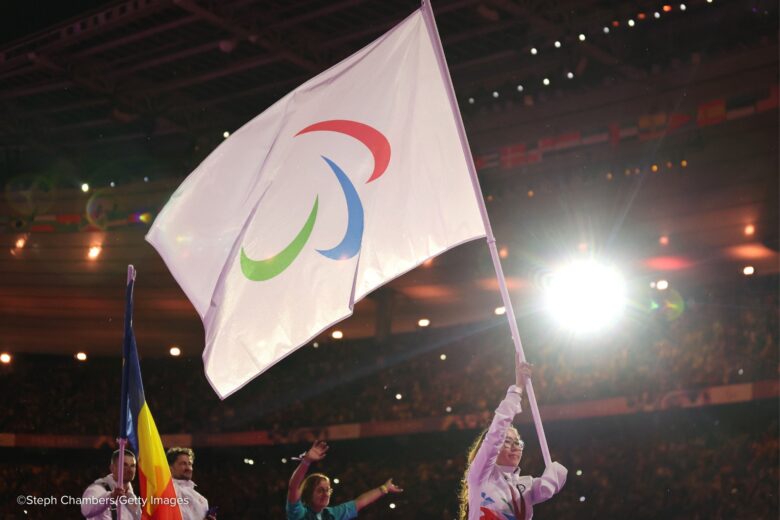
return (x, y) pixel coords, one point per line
(352, 179)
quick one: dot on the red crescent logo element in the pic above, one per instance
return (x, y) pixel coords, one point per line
(376, 143)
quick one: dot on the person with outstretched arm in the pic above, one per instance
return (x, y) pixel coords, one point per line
(308, 497)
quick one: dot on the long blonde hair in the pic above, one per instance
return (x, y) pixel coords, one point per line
(463, 495)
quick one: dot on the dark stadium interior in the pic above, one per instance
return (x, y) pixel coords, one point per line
(640, 132)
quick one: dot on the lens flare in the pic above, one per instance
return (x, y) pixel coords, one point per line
(585, 296)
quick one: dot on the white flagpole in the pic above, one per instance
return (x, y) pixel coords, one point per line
(433, 33)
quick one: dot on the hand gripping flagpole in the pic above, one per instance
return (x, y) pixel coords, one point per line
(123, 399)
(433, 32)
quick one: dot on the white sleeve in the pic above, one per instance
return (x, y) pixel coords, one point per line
(486, 456)
(550, 483)
(95, 492)
(134, 507)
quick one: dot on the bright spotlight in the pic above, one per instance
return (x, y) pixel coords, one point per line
(5, 358)
(81, 356)
(174, 351)
(499, 311)
(586, 296)
(94, 252)
(337, 334)
(85, 187)
(423, 322)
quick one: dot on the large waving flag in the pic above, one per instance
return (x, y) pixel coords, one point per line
(352, 179)
(137, 425)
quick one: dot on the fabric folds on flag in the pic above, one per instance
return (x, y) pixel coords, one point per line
(137, 425)
(352, 179)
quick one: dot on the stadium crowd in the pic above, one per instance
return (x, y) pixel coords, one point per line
(716, 339)
(710, 463)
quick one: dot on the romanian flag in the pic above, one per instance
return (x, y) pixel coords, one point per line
(137, 425)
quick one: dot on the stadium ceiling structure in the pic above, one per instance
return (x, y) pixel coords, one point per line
(132, 95)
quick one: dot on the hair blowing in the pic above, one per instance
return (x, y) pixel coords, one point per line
(463, 495)
(463, 510)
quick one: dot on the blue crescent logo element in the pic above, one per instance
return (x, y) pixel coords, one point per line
(353, 236)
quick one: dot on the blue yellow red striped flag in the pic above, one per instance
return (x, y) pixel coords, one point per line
(137, 425)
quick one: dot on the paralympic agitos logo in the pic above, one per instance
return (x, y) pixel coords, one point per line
(379, 146)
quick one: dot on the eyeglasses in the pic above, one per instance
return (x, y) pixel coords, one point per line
(327, 491)
(509, 443)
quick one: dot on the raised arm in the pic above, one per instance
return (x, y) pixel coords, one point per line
(486, 456)
(315, 453)
(372, 495)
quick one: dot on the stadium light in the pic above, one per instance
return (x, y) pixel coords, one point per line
(94, 252)
(585, 296)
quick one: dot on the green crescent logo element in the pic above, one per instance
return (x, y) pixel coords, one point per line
(260, 270)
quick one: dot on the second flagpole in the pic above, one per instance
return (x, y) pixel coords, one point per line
(433, 32)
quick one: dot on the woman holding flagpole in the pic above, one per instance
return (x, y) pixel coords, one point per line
(309, 498)
(492, 487)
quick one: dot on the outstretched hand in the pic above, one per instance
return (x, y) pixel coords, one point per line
(317, 451)
(392, 488)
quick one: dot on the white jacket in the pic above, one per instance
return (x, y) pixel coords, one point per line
(492, 488)
(96, 502)
(194, 506)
